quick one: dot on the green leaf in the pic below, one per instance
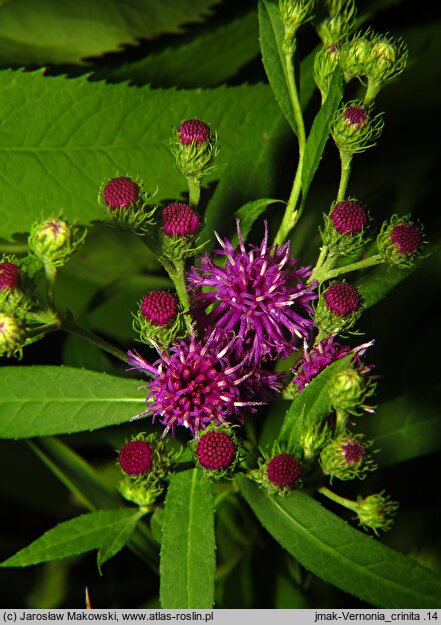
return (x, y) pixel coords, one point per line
(406, 427)
(68, 135)
(81, 534)
(45, 400)
(117, 537)
(206, 61)
(319, 133)
(248, 215)
(187, 564)
(273, 57)
(312, 405)
(341, 555)
(76, 29)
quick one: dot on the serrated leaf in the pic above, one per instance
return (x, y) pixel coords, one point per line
(406, 427)
(312, 405)
(81, 534)
(248, 214)
(341, 555)
(61, 138)
(45, 400)
(117, 537)
(187, 564)
(206, 61)
(271, 42)
(319, 132)
(76, 29)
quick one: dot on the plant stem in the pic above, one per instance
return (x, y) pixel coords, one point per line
(292, 215)
(372, 91)
(376, 259)
(70, 326)
(51, 277)
(194, 187)
(346, 503)
(44, 329)
(346, 159)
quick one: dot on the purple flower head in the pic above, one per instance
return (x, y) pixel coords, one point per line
(9, 275)
(283, 470)
(260, 295)
(356, 116)
(342, 299)
(196, 383)
(135, 457)
(216, 450)
(349, 217)
(352, 451)
(406, 238)
(317, 358)
(179, 219)
(120, 192)
(194, 130)
(159, 307)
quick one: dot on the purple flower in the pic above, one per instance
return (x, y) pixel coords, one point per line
(317, 358)
(196, 383)
(261, 295)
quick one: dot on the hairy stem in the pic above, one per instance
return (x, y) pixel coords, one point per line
(194, 188)
(327, 274)
(51, 277)
(346, 160)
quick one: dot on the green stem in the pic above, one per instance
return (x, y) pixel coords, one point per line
(194, 187)
(376, 259)
(372, 91)
(292, 215)
(51, 277)
(70, 326)
(346, 159)
(346, 503)
(44, 329)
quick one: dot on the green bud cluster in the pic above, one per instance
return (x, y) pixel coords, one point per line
(335, 28)
(54, 240)
(294, 13)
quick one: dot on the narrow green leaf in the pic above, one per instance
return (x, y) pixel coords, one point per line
(248, 215)
(319, 133)
(45, 400)
(76, 29)
(273, 57)
(406, 427)
(69, 135)
(81, 534)
(187, 564)
(341, 555)
(117, 537)
(206, 61)
(311, 405)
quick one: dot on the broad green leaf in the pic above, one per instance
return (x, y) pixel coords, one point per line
(406, 427)
(248, 214)
(206, 61)
(45, 400)
(75, 29)
(312, 405)
(117, 537)
(187, 564)
(273, 57)
(341, 555)
(64, 137)
(81, 534)
(319, 133)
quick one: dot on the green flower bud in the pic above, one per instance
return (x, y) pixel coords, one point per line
(325, 62)
(354, 130)
(345, 457)
(341, 21)
(376, 512)
(400, 241)
(339, 307)
(53, 241)
(294, 13)
(349, 391)
(217, 452)
(126, 204)
(195, 146)
(278, 472)
(314, 439)
(12, 335)
(388, 58)
(355, 56)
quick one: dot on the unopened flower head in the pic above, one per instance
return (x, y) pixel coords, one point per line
(195, 146)
(350, 390)
(54, 240)
(121, 192)
(159, 308)
(194, 131)
(345, 457)
(135, 457)
(400, 241)
(283, 470)
(12, 335)
(354, 129)
(349, 217)
(216, 451)
(341, 21)
(9, 275)
(179, 220)
(294, 13)
(376, 512)
(339, 306)
(196, 384)
(325, 63)
(260, 294)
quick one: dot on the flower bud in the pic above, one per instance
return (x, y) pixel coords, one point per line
(9, 276)
(345, 227)
(388, 58)
(135, 457)
(195, 146)
(294, 13)
(159, 308)
(354, 130)
(216, 451)
(283, 470)
(125, 203)
(179, 220)
(376, 512)
(159, 319)
(12, 335)
(325, 62)
(400, 241)
(345, 458)
(53, 241)
(349, 391)
(335, 28)
(339, 306)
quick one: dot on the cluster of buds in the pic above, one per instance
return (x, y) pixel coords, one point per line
(159, 319)
(400, 241)
(339, 23)
(294, 13)
(54, 240)
(145, 461)
(216, 451)
(345, 227)
(339, 307)
(345, 457)
(278, 473)
(195, 146)
(354, 129)
(126, 204)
